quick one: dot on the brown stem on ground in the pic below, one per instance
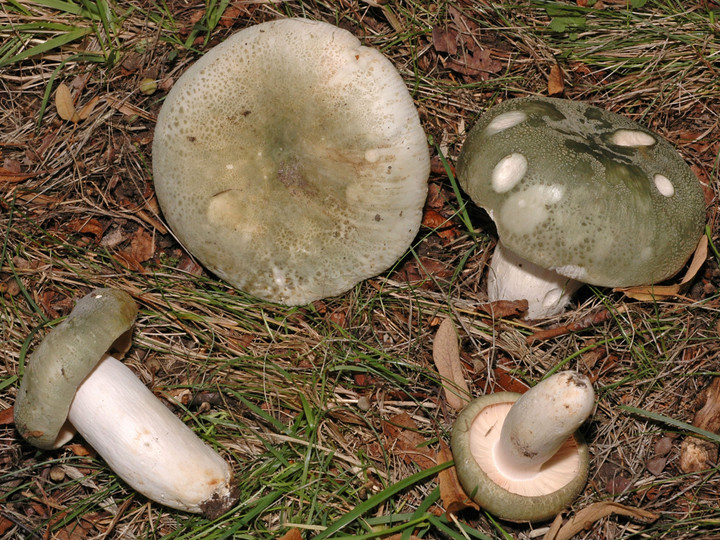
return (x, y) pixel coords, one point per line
(698, 454)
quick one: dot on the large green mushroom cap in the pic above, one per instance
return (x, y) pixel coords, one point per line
(98, 323)
(582, 191)
(290, 160)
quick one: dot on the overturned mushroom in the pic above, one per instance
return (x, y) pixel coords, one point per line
(521, 457)
(71, 384)
(290, 160)
(578, 195)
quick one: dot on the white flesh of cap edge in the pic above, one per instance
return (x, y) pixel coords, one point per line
(144, 442)
(540, 422)
(513, 278)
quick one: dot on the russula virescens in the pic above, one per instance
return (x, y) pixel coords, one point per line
(578, 195)
(290, 160)
(71, 384)
(520, 456)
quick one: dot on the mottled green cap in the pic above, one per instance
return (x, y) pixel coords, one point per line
(582, 191)
(99, 322)
(290, 160)
(494, 498)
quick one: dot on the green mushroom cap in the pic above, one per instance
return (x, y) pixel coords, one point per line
(290, 160)
(582, 191)
(99, 322)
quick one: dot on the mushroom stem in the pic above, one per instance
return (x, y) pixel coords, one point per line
(146, 444)
(513, 278)
(540, 422)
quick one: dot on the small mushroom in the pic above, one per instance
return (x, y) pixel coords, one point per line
(521, 457)
(578, 195)
(290, 160)
(71, 384)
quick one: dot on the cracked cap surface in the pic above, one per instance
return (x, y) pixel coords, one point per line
(291, 162)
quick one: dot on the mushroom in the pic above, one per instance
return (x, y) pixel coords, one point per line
(290, 160)
(520, 456)
(71, 384)
(578, 195)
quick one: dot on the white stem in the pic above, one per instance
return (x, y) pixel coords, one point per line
(541, 420)
(513, 278)
(144, 442)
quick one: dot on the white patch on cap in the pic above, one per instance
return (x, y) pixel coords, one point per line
(505, 121)
(631, 137)
(663, 185)
(578, 273)
(523, 212)
(508, 172)
(371, 155)
(646, 253)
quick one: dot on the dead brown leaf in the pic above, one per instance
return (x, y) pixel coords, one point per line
(128, 109)
(476, 63)
(87, 226)
(649, 293)
(406, 441)
(64, 102)
(596, 511)
(5, 525)
(698, 454)
(446, 355)
(292, 534)
(6, 416)
(11, 177)
(452, 494)
(502, 309)
(445, 40)
(422, 270)
(142, 246)
(556, 85)
(87, 108)
(444, 227)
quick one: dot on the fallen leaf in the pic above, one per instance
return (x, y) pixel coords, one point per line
(142, 246)
(583, 519)
(452, 494)
(292, 534)
(129, 110)
(13, 177)
(87, 226)
(444, 227)
(476, 63)
(649, 293)
(87, 108)
(556, 85)
(79, 450)
(656, 465)
(6, 416)
(445, 40)
(64, 102)
(502, 309)
(407, 442)
(698, 454)
(424, 270)
(446, 355)
(5, 525)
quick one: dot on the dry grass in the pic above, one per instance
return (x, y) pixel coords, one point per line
(277, 389)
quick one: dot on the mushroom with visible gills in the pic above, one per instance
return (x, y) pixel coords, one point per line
(290, 160)
(71, 384)
(578, 195)
(520, 457)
